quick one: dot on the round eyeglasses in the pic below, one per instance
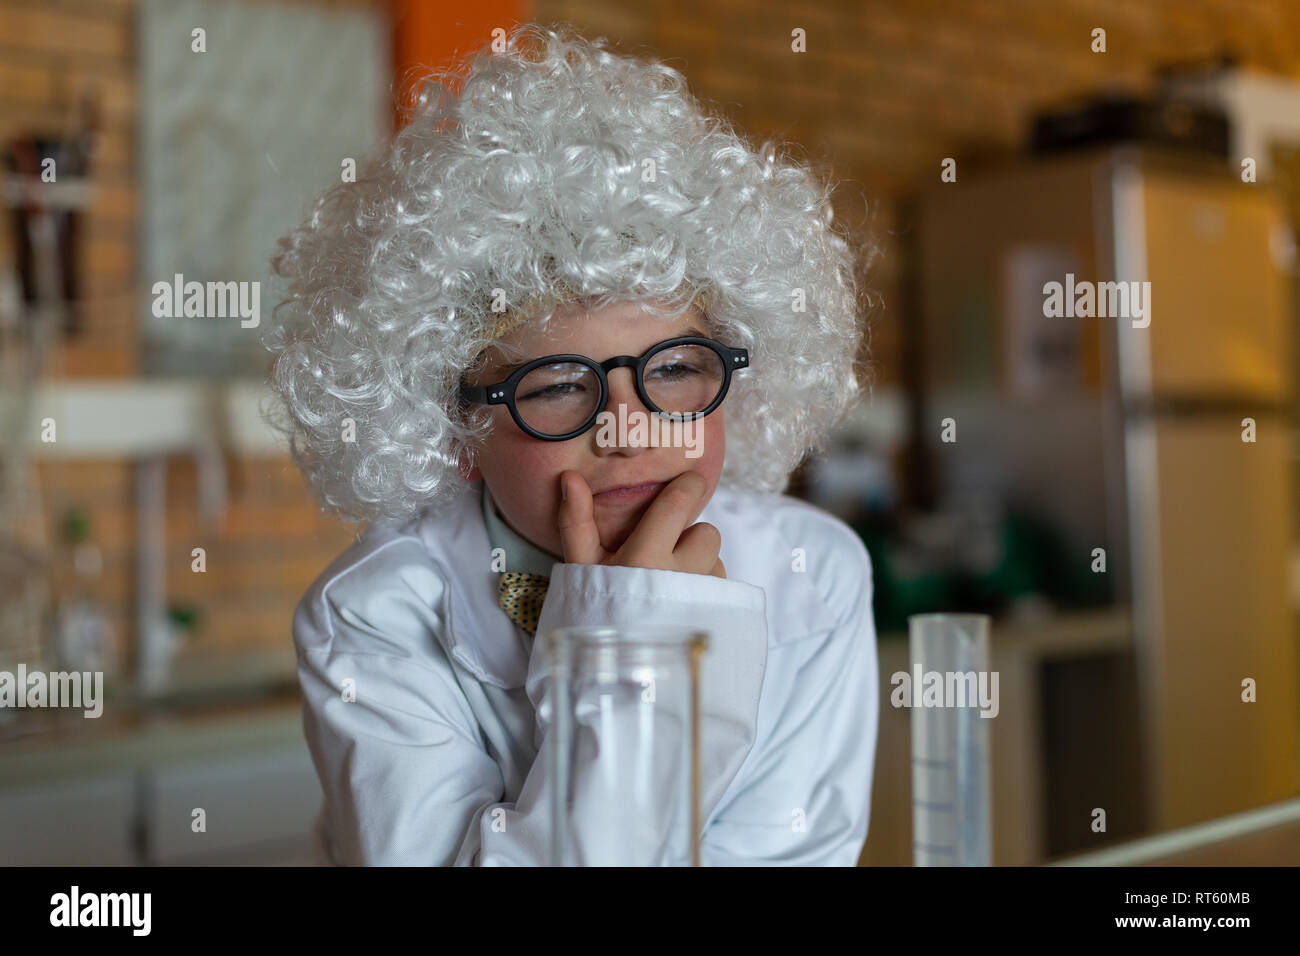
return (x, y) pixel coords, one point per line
(558, 397)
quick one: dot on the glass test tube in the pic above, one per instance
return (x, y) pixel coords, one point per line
(951, 824)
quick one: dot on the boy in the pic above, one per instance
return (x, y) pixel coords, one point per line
(476, 428)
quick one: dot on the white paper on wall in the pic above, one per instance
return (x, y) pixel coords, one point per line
(235, 142)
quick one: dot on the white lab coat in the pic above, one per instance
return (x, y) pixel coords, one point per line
(436, 760)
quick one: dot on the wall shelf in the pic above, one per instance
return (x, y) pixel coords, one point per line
(129, 418)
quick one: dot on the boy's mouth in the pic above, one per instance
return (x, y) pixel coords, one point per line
(629, 494)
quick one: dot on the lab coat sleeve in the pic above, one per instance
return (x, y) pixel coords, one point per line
(805, 796)
(731, 677)
(395, 744)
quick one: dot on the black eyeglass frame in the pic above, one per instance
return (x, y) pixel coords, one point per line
(503, 392)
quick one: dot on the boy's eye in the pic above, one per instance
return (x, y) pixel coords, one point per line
(560, 380)
(677, 370)
(558, 390)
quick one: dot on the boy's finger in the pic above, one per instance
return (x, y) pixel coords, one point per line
(664, 521)
(698, 547)
(577, 522)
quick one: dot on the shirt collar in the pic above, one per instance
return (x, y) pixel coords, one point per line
(520, 553)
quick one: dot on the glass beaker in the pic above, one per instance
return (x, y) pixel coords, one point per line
(951, 823)
(625, 775)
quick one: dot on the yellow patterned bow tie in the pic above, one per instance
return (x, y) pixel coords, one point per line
(521, 597)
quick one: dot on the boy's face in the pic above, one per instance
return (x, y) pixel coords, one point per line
(523, 472)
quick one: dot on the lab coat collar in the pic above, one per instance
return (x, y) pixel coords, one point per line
(488, 644)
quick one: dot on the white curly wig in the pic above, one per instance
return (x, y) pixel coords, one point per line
(560, 172)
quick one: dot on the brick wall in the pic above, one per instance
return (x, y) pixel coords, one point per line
(271, 545)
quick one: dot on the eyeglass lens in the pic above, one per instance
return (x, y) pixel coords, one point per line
(557, 399)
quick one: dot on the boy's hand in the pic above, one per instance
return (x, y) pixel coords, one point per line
(660, 539)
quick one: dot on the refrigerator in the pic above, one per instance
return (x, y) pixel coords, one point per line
(1108, 335)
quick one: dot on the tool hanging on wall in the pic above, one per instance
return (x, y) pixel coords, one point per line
(46, 186)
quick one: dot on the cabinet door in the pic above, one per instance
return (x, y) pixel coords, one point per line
(252, 803)
(1209, 335)
(1213, 610)
(84, 822)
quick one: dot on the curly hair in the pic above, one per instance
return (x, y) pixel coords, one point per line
(560, 171)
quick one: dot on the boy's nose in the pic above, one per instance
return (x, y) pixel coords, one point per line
(622, 392)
